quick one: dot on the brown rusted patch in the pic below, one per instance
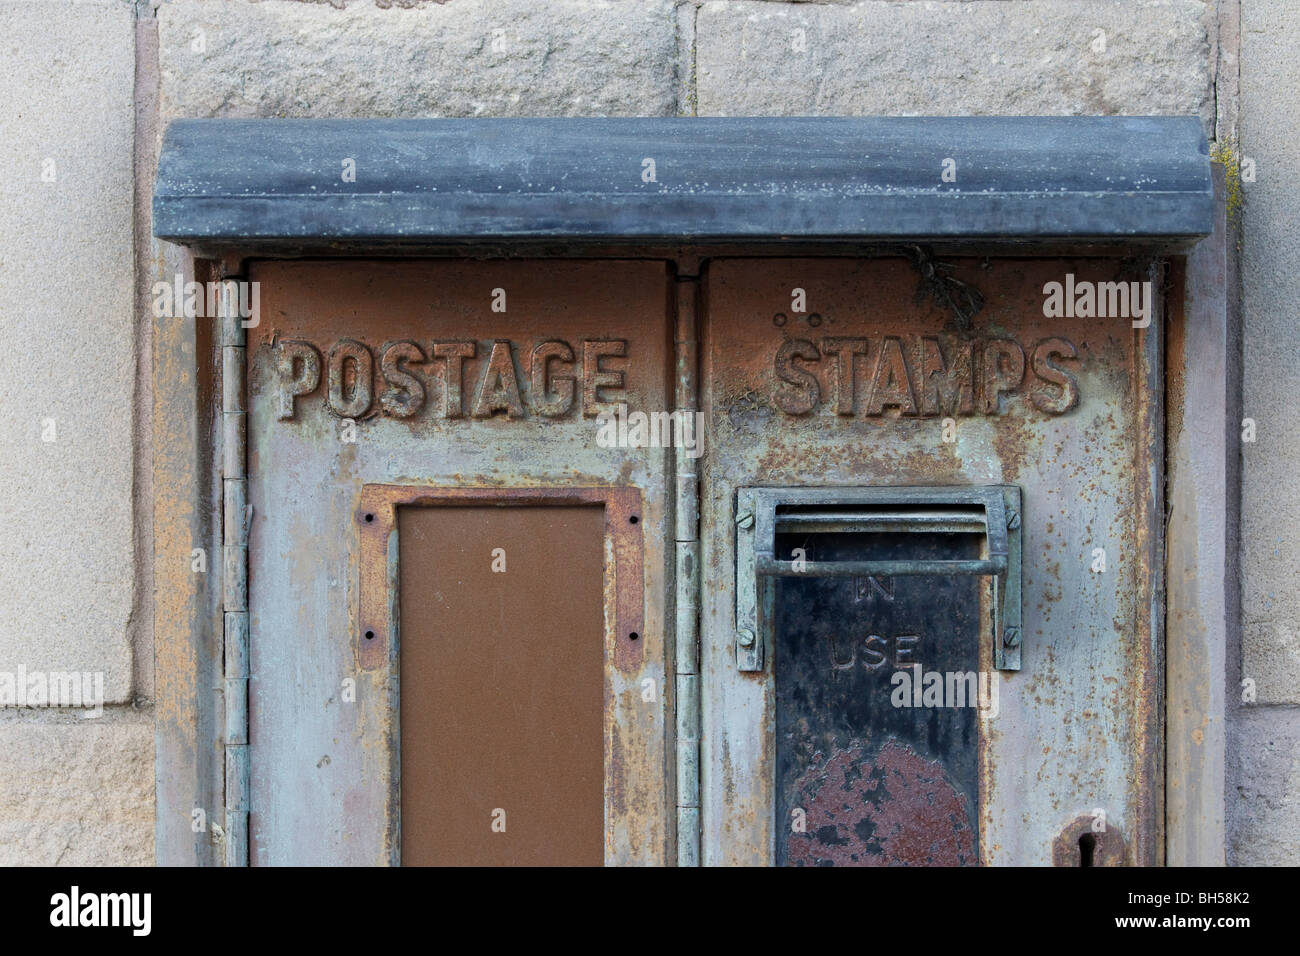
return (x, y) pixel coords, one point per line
(887, 809)
(1079, 844)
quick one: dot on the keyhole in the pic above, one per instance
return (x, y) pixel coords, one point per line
(1087, 844)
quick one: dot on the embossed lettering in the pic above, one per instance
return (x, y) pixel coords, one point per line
(404, 395)
(499, 389)
(1004, 370)
(1047, 370)
(351, 379)
(844, 350)
(595, 376)
(947, 388)
(453, 355)
(552, 393)
(299, 366)
(804, 397)
(891, 386)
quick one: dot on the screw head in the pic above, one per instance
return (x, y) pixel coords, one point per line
(1011, 637)
(744, 637)
(745, 520)
(1013, 520)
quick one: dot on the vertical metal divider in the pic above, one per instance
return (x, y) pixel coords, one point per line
(234, 539)
(687, 566)
(1149, 842)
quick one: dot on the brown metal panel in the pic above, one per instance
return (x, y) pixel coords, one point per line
(622, 596)
(502, 675)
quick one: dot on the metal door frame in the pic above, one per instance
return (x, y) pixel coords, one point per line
(377, 636)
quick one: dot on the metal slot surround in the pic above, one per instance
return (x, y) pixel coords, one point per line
(991, 511)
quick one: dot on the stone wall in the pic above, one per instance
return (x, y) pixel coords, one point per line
(93, 82)
(1264, 735)
(72, 790)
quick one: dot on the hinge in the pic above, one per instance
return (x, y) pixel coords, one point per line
(236, 514)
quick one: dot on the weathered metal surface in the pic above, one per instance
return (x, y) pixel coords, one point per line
(377, 641)
(871, 769)
(514, 417)
(234, 575)
(187, 608)
(502, 685)
(860, 387)
(1200, 435)
(762, 515)
(375, 637)
(1090, 841)
(711, 179)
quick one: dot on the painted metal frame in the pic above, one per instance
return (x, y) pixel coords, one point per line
(1203, 451)
(766, 450)
(377, 634)
(234, 577)
(686, 575)
(190, 613)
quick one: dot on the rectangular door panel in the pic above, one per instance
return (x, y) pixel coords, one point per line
(502, 641)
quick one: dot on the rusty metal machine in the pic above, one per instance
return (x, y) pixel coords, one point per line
(679, 491)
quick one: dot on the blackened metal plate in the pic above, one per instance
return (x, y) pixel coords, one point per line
(861, 781)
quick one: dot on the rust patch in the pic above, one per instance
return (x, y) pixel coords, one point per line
(887, 809)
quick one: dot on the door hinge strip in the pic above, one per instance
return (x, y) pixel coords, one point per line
(687, 582)
(234, 541)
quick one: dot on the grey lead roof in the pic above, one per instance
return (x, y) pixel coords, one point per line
(714, 180)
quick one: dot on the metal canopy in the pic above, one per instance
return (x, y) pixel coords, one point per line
(701, 181)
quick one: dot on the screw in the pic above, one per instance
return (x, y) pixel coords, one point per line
(1013, 519)
(1011, 637)
(744, 637)
(745, 520)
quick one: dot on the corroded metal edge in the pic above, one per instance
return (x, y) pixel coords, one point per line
(188, 613)
(188, 645)
(1199, 435)
(756, 527)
